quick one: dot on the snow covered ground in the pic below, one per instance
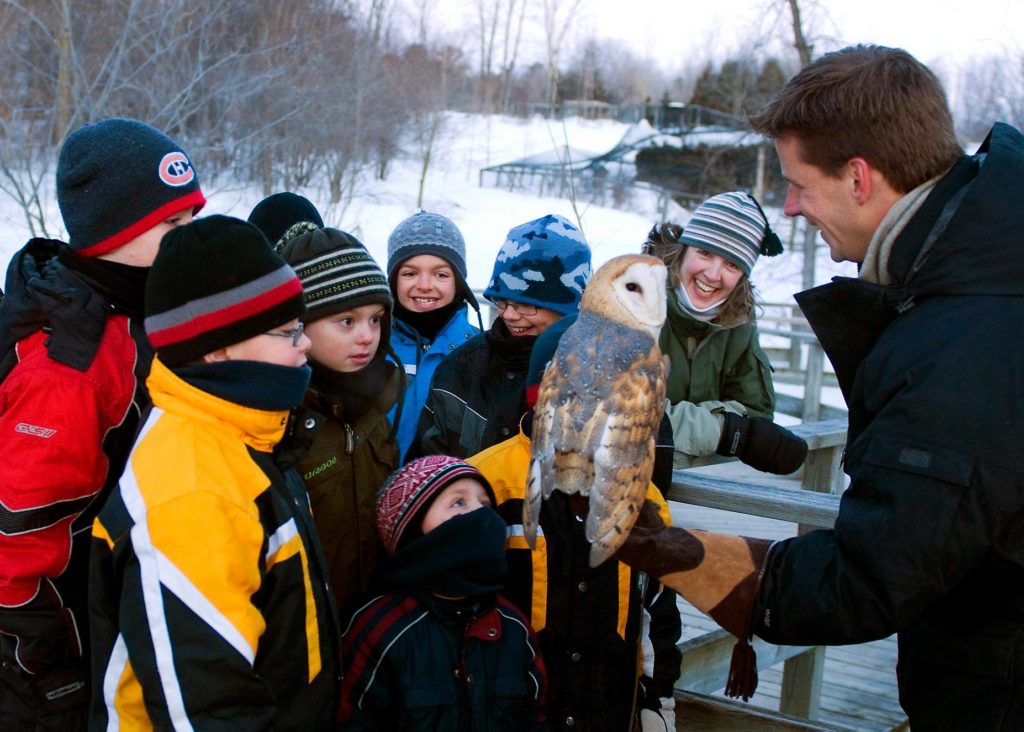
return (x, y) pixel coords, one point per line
(484, 215)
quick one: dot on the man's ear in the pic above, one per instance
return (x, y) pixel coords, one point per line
(862, 179)
(221, 354)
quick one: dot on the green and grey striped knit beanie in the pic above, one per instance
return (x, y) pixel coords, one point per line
(733, 226)
(337, 274)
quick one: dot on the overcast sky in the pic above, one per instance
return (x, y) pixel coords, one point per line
(929, 29)
(674, 33)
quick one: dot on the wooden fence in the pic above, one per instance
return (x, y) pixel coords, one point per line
(798, 358)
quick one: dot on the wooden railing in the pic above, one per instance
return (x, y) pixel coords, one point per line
(706, 658)
(800, 360)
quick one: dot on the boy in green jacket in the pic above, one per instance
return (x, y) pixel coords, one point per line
(348, 319)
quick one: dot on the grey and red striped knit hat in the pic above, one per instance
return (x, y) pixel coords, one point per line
(117, 179)
(216, 282)
(404, 499)
(734, 226)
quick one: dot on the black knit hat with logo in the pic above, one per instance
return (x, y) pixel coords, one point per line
(117, 179)
(337, 274)
(216, 282)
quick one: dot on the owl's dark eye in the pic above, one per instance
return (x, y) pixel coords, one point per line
(633, 287)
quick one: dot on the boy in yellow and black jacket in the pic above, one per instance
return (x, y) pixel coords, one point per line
(608, 634)
(208, 597)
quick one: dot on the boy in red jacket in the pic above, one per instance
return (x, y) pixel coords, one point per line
(73, 360)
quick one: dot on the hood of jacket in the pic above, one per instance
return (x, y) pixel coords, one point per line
(963, 241)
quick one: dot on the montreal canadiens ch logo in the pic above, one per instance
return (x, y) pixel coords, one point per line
(176, 170)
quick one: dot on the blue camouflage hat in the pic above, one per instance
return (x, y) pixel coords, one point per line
(545, 262)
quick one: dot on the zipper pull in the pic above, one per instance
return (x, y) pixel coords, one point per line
(350, 440)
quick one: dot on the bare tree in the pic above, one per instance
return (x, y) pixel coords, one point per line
(996, 93)
(804, 49)
(511, 37)
(500, 30)
(558, 16)
(171, 63)
(424, 85)
(288, 94)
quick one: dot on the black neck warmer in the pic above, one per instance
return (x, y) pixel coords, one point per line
(253, 384)
(122, 284)
(430, 323)
(463, 557)
(514, 351)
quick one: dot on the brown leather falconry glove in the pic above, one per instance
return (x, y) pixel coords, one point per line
(717, 573)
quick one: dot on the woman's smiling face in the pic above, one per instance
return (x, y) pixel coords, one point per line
(708, 278)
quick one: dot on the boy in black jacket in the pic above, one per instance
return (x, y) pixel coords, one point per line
(441, 650)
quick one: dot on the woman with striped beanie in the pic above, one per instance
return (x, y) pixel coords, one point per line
(720, 393)
(348, 319)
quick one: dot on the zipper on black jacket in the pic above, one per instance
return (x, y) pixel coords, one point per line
(350, 440)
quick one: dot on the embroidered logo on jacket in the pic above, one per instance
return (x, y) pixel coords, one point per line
(31, 429)
(320, 468)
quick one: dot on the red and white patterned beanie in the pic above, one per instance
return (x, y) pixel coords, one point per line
(409, 491)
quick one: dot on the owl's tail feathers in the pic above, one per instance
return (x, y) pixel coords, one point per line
(717, 573)
(531, 504)
(609, 522)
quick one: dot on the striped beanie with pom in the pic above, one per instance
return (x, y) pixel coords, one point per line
(734, 226)
(216, 282)
(406, 496)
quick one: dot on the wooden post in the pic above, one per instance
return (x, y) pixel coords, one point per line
(801, 684)
(822, 471)
(801, 676)
(812, 382)
(759, 174)
(796, 349)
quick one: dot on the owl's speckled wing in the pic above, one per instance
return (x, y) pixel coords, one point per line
(597, 415)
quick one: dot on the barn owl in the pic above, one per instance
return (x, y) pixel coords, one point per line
(600, 401)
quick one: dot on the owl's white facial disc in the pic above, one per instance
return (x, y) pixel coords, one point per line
(640, 290)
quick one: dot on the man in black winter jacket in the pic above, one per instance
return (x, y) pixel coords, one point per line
(928, 346)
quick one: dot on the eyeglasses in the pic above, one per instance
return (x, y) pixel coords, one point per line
(294, 333)
(521, 308)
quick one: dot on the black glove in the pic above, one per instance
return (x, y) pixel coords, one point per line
(761, 444)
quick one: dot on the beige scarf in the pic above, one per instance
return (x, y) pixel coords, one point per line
(875, 267)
